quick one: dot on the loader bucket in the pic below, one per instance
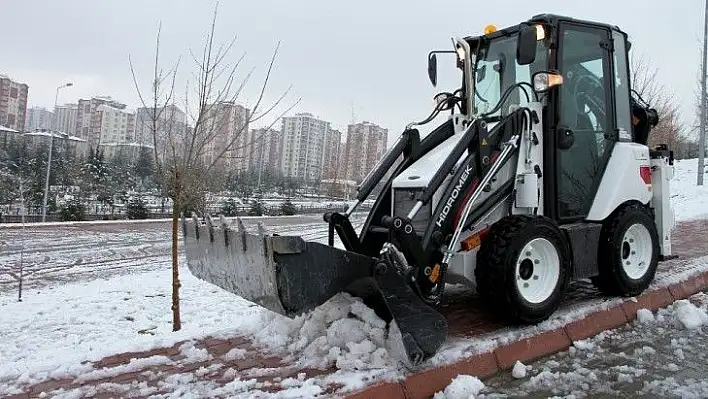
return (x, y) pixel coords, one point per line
(291, 276)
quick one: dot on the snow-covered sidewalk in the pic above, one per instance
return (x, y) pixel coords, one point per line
(660, 354)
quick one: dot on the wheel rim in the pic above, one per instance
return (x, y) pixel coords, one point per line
(636, 251)
(537, 270)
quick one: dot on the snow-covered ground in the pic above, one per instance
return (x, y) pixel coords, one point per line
(689, 200)
(73, 312)
(660, 354)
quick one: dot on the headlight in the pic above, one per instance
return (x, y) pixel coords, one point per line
(542, 81)
(540, 32)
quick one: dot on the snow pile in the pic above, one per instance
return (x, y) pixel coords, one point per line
(645, 316)
(519, 370)
(234, 354)
(462, 387)
(690, 316)
(689, 200)
(342, 332)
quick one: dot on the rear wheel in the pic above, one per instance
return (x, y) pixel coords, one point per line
(628, 254)
(523, 267)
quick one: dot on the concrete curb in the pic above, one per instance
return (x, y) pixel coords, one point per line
(425, 383)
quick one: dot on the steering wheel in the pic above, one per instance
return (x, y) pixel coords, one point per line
(586, 91)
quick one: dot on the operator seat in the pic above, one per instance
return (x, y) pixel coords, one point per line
(580, 161)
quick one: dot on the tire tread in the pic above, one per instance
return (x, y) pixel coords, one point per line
(492, 271)
(609, 281)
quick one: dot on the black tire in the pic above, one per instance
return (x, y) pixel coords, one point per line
(496, 276)
(613, 279)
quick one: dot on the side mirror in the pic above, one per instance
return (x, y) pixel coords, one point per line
(526, 45)
(433, 69)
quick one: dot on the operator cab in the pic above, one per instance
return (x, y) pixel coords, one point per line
(578, 71)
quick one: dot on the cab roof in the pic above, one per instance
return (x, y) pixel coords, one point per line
(546, 18)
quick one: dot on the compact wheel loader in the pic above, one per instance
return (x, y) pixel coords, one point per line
(540, 175)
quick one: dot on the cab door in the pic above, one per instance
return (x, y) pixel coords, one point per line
(584, 134)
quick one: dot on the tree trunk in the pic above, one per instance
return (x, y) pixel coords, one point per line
(176, 322)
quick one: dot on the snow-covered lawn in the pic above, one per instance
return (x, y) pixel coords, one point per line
(53, 331)
(58, 326)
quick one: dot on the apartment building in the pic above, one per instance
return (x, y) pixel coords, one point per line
(13, 103)
(65, 118)
(170, 128)
(332, 167)
(365, 146)
(129, 152)
(170, 121)
(38, 118)
(89, 120)
(228, 136)
(115, 125)
(303, 147)
(265, 150)
(64, 144)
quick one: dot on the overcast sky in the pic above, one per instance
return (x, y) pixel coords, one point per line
(363, 59)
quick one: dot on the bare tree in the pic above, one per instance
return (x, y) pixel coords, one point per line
(190, 156)
(670, 130)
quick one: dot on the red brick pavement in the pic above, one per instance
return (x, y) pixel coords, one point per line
(467, 319)
(249, 363)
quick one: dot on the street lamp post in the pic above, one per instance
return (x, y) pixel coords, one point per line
(49, 160)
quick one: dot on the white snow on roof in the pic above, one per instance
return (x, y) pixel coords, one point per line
(7, 129)
(56, 134)
(132, 144)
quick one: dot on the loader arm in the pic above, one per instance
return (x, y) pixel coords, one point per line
(408, 149)
(480, 151)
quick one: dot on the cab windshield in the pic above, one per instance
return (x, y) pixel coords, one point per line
(497, 70)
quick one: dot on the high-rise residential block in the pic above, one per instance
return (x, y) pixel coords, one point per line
(89, 120)
(303, 148)
(38, 118)
(265, 151)
(163, 121)
(115, 125)
(13, 103)
(226, 131)
(331, 168)
(365, 146)
(65, 118)
(165, 127)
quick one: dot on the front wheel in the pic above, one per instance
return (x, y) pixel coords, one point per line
(523, 266)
